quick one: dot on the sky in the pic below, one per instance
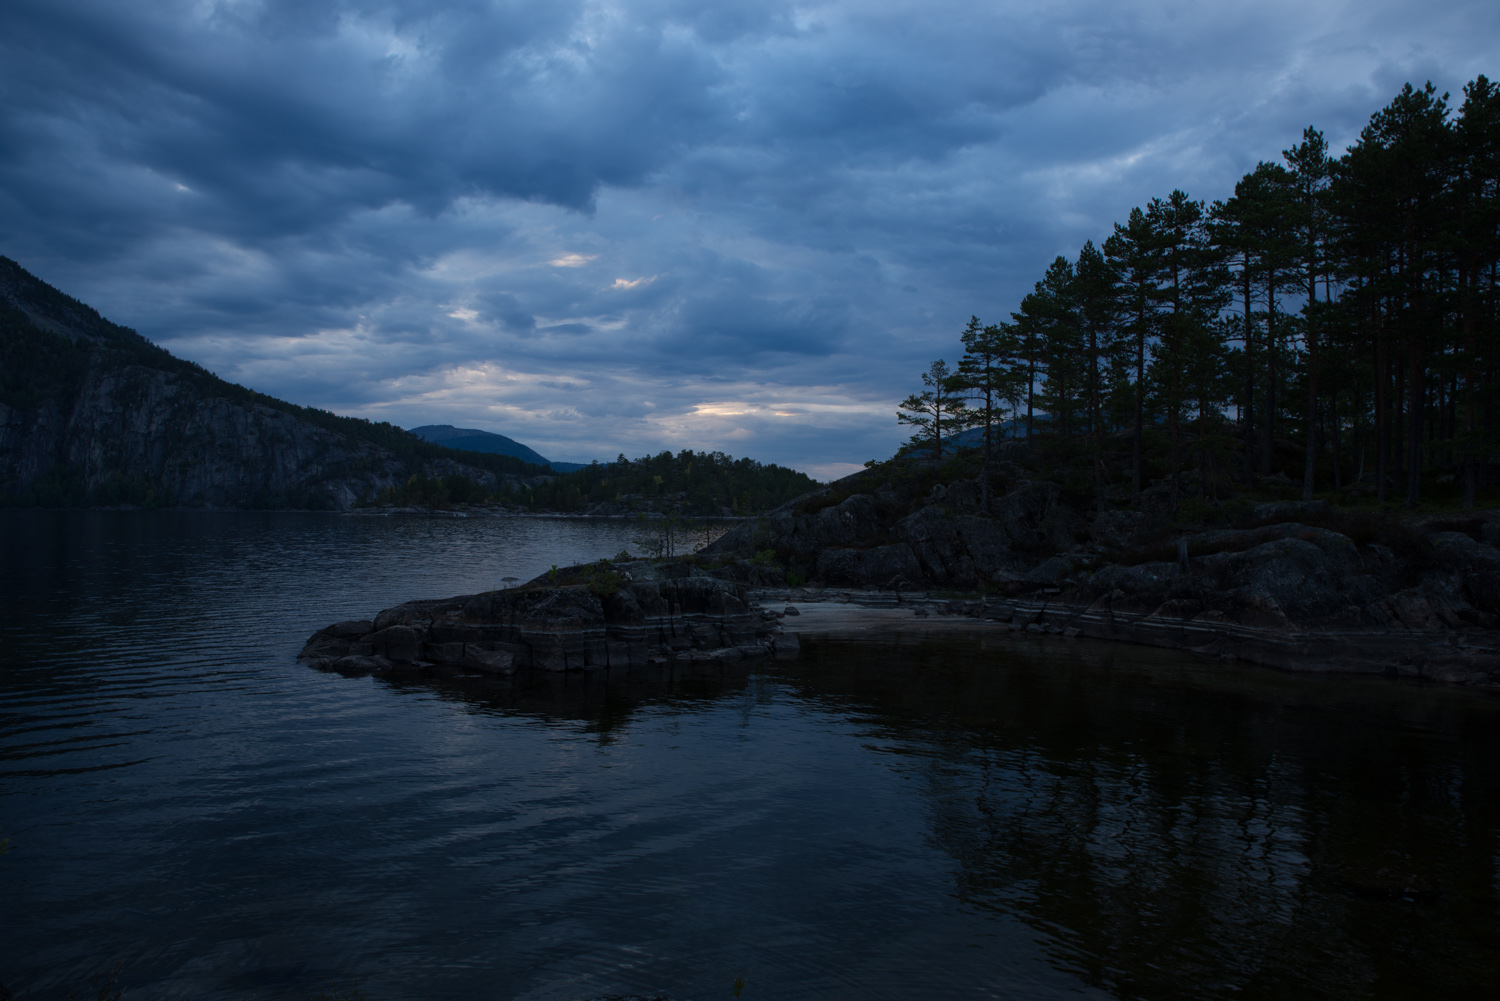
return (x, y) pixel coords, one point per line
(623, 227)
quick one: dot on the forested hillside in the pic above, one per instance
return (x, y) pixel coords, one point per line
(1335, 322)
(696, 483)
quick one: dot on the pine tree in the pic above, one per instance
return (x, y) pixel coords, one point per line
(1402, 233)
(934, 412)
(1364, 251)
(1238, 226)
(1191, 289)
(1272, 236)
(1409, 141)
(1310, 170)
(1030, 329)
(986, 372)
(1133, 253)
(1053, 308)
(1097, 303)
(1476, 198)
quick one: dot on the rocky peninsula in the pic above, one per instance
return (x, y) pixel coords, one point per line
(909, 544)
(607, 616)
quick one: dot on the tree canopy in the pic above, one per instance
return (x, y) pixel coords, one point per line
(1348, 305)
(689, 483)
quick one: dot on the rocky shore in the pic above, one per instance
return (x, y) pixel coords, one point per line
(1299, 586)
(1456, 655)
(900, 547)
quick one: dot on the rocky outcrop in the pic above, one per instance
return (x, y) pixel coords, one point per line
(627, 617)
(1297, 585)
(943, 537)
(1304, 599)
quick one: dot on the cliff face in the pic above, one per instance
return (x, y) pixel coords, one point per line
(92, 413)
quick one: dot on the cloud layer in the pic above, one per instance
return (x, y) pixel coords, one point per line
(621, 227)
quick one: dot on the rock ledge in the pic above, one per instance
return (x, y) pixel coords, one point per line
(676, 614)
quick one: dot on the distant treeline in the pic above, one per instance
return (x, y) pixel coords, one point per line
(691, 483)
(1350, 303)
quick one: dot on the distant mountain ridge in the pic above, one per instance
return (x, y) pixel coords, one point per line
(92, 413)
(475, 440)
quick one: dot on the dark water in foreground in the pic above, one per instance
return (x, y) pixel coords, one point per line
(1008, 818)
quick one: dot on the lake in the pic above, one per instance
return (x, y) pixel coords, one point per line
(940, 817)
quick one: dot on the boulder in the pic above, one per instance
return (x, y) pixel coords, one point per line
(397, 643)
(1050, 571)
(352, 629)
(360, 665)
(1413, 610)
(489, 661)
(1312, 574)
(1476, 564)
(321, 646)
(444, 653)
(1115, 529)
(856, 567)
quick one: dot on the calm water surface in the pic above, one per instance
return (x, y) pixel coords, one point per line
(997, 818)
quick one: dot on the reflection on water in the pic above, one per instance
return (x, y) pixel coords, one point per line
(1011, 817)
(1189, 832)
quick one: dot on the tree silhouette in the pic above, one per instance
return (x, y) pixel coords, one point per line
(934, 412)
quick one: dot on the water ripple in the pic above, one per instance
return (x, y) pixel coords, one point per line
(965, 820)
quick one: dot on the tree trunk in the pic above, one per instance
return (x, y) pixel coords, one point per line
(1359, 442)
(1247, 414)
(1030, 392)
(1310, 466)
(1399, 430)
(1468, 443)
(1415, 407)
(1202, 447)
(1337, 433)
(1094, 419)
(1269, 450)
(1382, 419)
(1140, 405)
(989, 411)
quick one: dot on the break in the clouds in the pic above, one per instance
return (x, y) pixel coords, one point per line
(605, 227)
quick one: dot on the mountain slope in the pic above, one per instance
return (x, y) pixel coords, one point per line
(93, 413)
(475, 440)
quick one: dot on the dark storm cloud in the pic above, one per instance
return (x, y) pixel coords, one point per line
(623, 226)
(506, 310)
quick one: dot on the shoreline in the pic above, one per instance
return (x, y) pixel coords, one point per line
(1446, 656)
(668, 620)
(409, 512)
(421, 512)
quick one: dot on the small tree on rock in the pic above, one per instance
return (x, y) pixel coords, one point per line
(936, 412)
